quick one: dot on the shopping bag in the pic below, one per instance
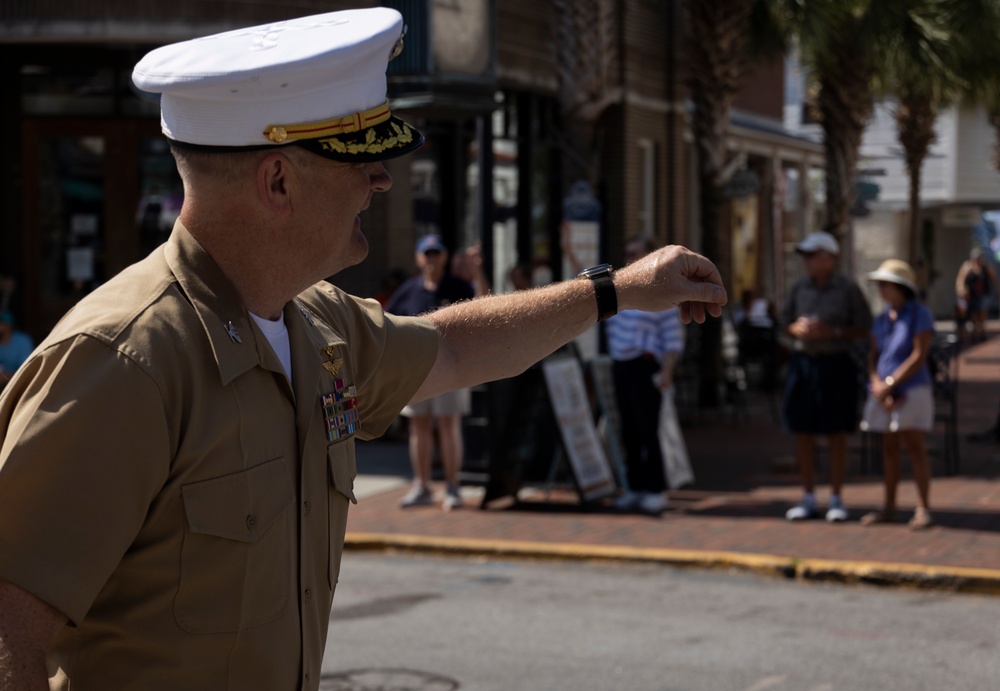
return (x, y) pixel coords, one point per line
(676, 464)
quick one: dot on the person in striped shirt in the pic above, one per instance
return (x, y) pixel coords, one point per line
(645, 348)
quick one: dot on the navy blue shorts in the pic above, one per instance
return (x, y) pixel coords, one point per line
(822, 394)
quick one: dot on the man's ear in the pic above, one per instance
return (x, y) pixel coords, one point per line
(274, 183)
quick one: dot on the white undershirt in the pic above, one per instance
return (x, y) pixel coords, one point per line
(277, 336)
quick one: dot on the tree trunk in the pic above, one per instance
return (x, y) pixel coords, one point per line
(844, 116)
(915, 117)
(716, 40)
(995, 123)
(844, 103)
(584, 48)
(718, 248)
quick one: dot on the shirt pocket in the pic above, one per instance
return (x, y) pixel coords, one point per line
(236, 560)
(343, 470)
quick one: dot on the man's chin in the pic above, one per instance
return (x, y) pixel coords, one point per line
(355, 253)
(360, 246)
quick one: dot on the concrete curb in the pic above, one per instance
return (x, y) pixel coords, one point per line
(947, 578)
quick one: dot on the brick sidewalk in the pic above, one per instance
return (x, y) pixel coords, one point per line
(734, 514)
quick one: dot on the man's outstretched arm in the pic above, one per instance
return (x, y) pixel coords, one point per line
(500, 336)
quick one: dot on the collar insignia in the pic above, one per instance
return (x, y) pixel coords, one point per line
(234, 335)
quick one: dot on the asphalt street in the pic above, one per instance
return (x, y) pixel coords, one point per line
(422, 623)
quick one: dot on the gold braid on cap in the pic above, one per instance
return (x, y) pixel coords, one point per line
(327, 128)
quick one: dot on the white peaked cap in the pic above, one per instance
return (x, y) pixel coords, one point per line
(317, 81)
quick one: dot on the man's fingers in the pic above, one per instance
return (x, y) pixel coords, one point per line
(707, 292)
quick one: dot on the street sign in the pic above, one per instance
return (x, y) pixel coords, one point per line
(743, 183)
(571, 405)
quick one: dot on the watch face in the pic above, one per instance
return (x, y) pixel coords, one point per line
(597, 271)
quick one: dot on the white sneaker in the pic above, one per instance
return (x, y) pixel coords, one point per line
(802, 512)
(653, 503)
(628, 501)
(419, 495)
(452, 499)
(836, 511)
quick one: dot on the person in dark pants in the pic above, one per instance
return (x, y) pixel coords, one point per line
(644, 347)
(824, 314)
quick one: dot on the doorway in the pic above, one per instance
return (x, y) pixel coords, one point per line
(98, 195)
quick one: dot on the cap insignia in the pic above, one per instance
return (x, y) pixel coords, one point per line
(326, 128)
(372, 144)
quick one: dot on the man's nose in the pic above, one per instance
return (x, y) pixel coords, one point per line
(380, 179)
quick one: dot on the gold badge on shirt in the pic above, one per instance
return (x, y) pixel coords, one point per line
(334, 363)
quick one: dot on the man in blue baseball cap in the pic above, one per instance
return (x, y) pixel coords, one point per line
(430, 290)
(178, 455)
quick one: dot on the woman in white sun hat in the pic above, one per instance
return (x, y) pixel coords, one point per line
(900, 402)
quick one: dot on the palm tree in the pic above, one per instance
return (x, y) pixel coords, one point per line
(724, 38)
(838, 43)
(922, 72)
(979, 58)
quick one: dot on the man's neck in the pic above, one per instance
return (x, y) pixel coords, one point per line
(257, 275)
(822, 279)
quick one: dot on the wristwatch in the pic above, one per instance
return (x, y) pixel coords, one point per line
(604, 290)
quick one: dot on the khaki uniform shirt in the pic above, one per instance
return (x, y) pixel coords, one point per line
(164, 486)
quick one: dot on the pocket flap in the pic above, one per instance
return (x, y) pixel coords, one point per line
(343, 468)
(241, 506)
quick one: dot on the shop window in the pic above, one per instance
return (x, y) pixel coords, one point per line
(161, 194)
(63, 91)
(71, 213)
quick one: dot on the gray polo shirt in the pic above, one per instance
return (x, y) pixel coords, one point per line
(837, 303)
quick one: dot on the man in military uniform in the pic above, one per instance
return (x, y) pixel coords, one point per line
(177, 456)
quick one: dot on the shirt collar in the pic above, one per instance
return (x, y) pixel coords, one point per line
(217, 303)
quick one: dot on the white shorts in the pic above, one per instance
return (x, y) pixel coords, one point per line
(451, 403)
(915, 413)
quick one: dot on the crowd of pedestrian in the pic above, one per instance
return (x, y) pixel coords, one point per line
(830, 393)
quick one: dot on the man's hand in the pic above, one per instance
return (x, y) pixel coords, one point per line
(672, 276)
(809, 328)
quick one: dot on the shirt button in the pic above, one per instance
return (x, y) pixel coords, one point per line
(309, 594)
(307, 677)
(308, 507)
(251, 521)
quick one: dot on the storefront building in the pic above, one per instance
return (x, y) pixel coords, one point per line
(91, 186)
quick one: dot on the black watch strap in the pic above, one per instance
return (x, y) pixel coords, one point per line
(604, 290)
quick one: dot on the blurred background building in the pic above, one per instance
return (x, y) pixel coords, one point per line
(519, 100)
